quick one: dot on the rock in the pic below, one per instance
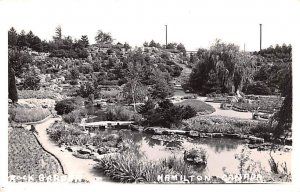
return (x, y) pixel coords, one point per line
(69, 149)
(217, 135)
(155, 130)
(197, 157)
(84, 151)
(91, 147)
(232, 136)
(254, 140)
(246, 141)
(253, 146)
(243, 136)
(136, 127)
(288, 141)
(202, 135)
(193, 133)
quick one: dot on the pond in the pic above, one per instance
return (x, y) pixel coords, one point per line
(221, 151)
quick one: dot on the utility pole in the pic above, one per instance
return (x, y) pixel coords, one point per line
(260, 26)
(166, 35)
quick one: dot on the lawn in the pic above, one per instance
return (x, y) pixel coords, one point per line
(26, 156)
(199, 106)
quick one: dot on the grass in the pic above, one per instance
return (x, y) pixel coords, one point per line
(40, 94)
(24, 115)
(199, 106)
(26, 156)
(220, 124)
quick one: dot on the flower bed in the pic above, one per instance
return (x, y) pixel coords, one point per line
(27, 157)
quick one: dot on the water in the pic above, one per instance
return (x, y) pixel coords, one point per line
(221, 152)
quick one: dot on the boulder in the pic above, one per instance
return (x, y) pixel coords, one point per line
(84, 151)
(217, 135)
(155, 130)
(232, 136)
(197, 157)
(193, 133)
(253, 146)
(254, 140)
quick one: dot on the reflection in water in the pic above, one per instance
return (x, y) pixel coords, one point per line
(221, 151)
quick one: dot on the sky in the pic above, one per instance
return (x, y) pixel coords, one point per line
(195, 23)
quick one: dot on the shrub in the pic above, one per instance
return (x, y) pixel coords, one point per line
(257, 88)
(120, 113)
(68, 105)
(198, 106)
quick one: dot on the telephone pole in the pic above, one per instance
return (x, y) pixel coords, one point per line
(260, 26)
(166, 35)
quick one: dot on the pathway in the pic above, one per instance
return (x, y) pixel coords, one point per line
(229, 113)
(73, 167)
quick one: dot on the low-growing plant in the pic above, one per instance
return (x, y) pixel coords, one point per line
(198, 106)
(23, 115)
(39, 94)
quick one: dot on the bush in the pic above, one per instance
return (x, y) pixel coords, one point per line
(75, 116)
(257, 88)
(68, 105)
(118, 113)
(198, 106)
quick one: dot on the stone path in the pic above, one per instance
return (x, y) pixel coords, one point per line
(73, 167)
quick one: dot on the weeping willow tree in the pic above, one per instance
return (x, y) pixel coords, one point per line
(222, 68)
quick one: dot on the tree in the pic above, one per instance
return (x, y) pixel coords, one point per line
(161, 88)
(12, 89)
(102, 37)
(284, 116)
(180, 47)
(84, 41)
(31, 80)
(86, 89)
(12, 37)
(74, 74)
(19, 61)
(22, 40)
(223, 67)
(58, 33)
(146, 44)
(134, 88)
(171, 46)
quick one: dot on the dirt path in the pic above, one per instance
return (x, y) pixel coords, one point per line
(73, 167)
(229, 113)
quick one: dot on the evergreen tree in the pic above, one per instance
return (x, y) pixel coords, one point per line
(12, 89)
(12, 37)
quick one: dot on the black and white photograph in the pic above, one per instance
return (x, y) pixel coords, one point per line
(149, 92)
